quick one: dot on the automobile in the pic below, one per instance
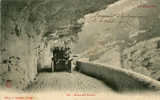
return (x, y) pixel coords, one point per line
(61, 60)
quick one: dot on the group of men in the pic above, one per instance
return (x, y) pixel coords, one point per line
(61, 53)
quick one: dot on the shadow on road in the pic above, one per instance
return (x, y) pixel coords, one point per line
(46, 70)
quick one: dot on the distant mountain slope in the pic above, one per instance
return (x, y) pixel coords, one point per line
(121, 26)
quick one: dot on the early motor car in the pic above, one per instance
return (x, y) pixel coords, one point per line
(61, 60)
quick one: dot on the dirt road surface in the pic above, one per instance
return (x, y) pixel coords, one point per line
(64, 81)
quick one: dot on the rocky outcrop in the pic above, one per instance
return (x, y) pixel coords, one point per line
(144, 58)
(19, 62)
(29, 25)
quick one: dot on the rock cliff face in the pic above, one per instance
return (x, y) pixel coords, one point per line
(144, 58)
(19, 62)
(110, 35)
(28, 26)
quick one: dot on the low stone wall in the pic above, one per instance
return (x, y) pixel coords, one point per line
(117, 78)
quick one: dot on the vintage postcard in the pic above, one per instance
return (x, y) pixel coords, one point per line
(80, 50)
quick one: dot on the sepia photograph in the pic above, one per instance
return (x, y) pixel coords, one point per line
(79, 49)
